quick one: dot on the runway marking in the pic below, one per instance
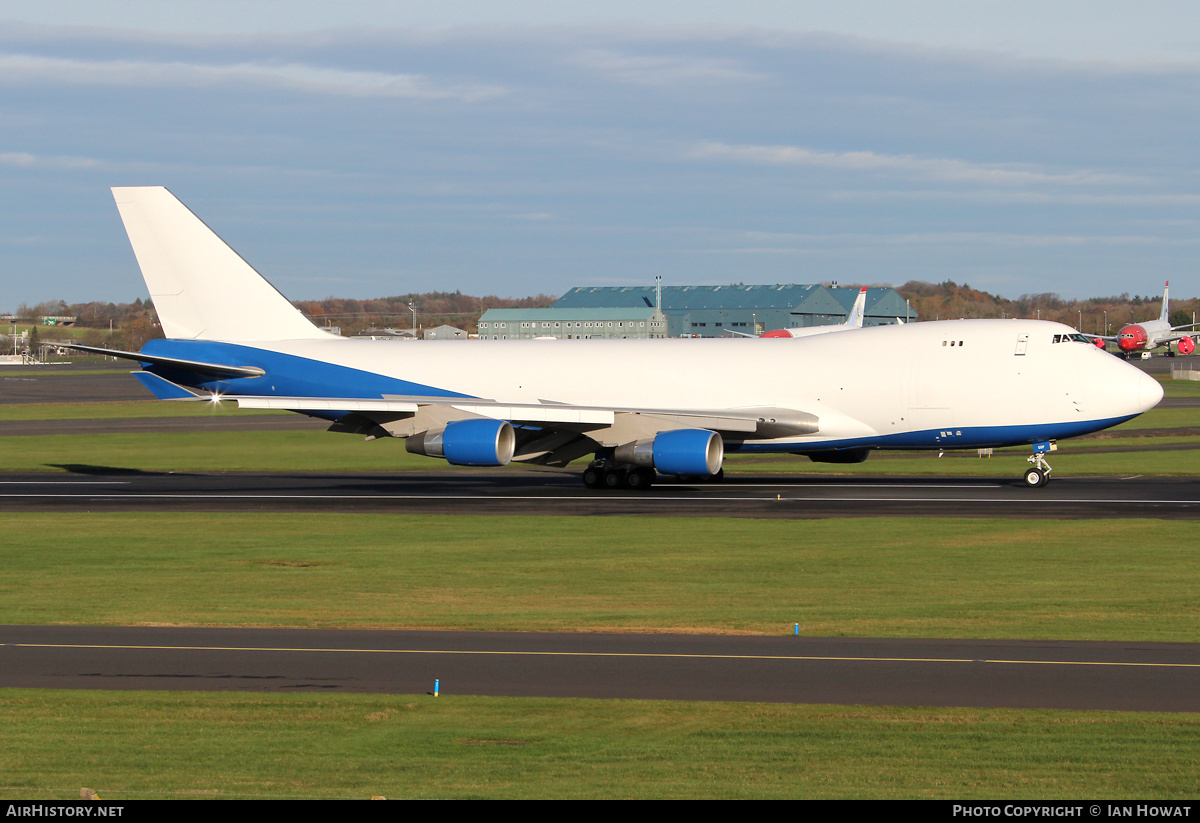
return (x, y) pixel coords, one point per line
(667, 655)
(845, 485)
(66, 482)
(604, 498)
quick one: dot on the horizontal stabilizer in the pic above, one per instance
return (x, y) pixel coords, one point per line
(164, 389)
(214, 369)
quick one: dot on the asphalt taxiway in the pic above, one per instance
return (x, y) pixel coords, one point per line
(863, 671)
(467, 491)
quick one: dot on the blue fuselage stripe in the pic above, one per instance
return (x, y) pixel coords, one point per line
(285, 375)
(970, 437)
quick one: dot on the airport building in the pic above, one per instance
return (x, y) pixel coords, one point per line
(690, 311)
(713, 311)
(638, 322)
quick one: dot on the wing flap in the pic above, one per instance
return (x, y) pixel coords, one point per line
(346, 404)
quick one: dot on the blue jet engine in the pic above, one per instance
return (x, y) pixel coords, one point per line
(683, 452)
(468, 442)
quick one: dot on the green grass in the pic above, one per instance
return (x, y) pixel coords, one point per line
(900, 577)
(1072, 460)
(1159, 419)
(318, 451)
(129, 745)
(124, 409)
(55, 370)
(267, 451)
(1180, 388)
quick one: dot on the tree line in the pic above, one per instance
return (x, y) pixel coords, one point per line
(952, 301)
(130, 325)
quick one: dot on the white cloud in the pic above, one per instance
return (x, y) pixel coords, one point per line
(25, 160)
(930, 168)
(663, 70)
(781, 241)
(22, 69)
(1010, 197)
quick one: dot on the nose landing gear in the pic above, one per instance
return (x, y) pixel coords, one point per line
(1038, 474)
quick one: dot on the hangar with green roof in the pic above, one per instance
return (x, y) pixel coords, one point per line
(690, 311)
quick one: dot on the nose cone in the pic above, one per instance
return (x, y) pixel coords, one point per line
(1116, 390)
(1149, 392)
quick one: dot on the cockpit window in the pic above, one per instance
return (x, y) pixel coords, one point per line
(1072, 338)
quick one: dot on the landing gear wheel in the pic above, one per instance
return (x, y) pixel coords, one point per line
(593, 478)
(614, 479)
(639, 479)
(1038, 474)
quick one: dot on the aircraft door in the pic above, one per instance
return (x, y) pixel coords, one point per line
(928, 396)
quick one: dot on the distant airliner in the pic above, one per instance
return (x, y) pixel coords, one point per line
(1142, 337)
(854, 320)
(640, 407)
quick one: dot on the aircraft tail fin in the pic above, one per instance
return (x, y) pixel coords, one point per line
(201, 288)
(858, 310)
(1165, 311)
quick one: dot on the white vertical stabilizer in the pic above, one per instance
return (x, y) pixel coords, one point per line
(859, 310)
(201, 288)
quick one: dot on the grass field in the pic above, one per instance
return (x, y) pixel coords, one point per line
(1127, 579)
(885, 577)
(149, 744)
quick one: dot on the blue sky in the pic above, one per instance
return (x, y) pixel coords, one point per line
(366, 149)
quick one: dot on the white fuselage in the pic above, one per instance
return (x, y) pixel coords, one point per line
(976, 378)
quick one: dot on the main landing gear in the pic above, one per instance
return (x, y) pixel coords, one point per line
(1038, 474)
(606, 474)
(609, 474)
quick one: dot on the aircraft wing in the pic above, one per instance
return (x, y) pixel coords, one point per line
(1192, 326)
(551, 434)
(746, 423)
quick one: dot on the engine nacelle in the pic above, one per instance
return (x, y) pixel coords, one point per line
(468, 443)
(682, 451)
(1187, 345)
(1099, 342)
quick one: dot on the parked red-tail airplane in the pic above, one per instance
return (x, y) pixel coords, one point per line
(1150, 334)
